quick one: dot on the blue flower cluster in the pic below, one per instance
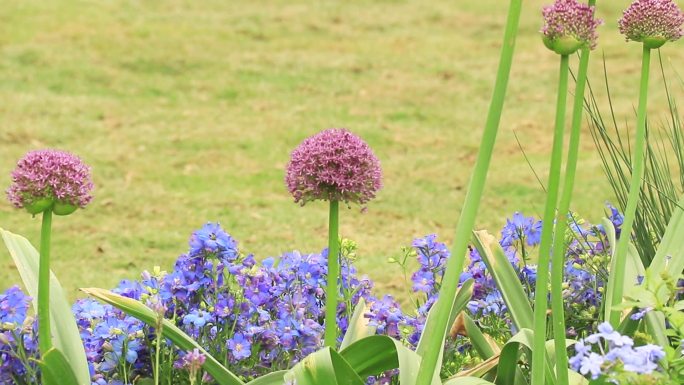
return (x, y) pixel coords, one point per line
(260, 317)
(18, 343)
(621, 354)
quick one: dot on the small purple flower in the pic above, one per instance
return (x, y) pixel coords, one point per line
(192, 361)
(568, 26)
(653, 22)
(44, 178)
(333, 165)
(240, 347)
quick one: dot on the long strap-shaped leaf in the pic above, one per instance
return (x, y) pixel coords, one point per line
(508, 368)
(65, 335)
(325, 366)
(359, 327)
(56, 370)
(506, 279)
(374, 355)
(275, 378)
(467, 381)
(670, 254)
(138, 310)
(655, 321)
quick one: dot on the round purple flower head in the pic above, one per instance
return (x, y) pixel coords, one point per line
(333, 165)
(653, 22)
(47, 179)
(568, 26)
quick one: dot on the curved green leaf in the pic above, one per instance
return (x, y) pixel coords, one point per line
(467, 381)
(325, 366)
(670, 254)
(275, 378)
(65, 335)
(633, 267)
(358, 325)
(506, 279)
(138, 310)
(56, 370)
(480, 342)
(460, 301)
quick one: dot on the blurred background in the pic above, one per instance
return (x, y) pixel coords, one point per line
(187, 112)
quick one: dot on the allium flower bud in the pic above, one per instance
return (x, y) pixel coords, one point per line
(652, 22)
(45, 179)
(333, 165)
(568, 26)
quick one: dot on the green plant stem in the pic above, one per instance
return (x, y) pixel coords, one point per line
(558, 262)
(331, 292)
(156, 353)
(44, 334)
(442, 308)
(634, 190)
(541, 288)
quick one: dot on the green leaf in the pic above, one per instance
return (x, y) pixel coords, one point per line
(56, 370)
(480, 342)
(358, 325)
(65, 335)
(506, 279)
(633, 267)
(508, 370)
(465, 292)
(467, 381)
(138, 310)
(324, 367)
(376, 354)
(670, 254)
(274, 378)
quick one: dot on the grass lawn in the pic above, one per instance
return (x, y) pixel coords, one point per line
(187, 112)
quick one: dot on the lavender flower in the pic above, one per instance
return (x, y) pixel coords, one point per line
(621, 353)
(653, 22)
(568, 26)
(333, 165)
(44, 178)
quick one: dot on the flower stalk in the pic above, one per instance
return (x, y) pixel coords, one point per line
(332, 290)
(545, 247)
(558, 260)
(44, 334)
(472, 201)
(634, 189)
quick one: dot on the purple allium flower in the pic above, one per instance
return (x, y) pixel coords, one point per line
(653, 22)
(333, 165)
(44, 177)
(568, 26)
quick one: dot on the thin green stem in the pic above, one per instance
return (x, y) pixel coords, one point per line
(44, 334)
(156, 353)
(542, 288)
(634, 189)
(442, 308)
(331, 292)
(558, 262)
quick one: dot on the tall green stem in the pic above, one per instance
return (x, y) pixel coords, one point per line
(634, 190)
(472, 201)
(558, 262)
(542, 289)
(332, 292)
(44, 334)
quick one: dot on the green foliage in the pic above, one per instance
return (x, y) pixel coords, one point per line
(506, 279)
(664, 166)
(56, 369)
(65, 335)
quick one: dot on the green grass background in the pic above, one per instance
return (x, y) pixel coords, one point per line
(187, 111)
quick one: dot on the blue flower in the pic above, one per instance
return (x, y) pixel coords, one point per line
(240, 347)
